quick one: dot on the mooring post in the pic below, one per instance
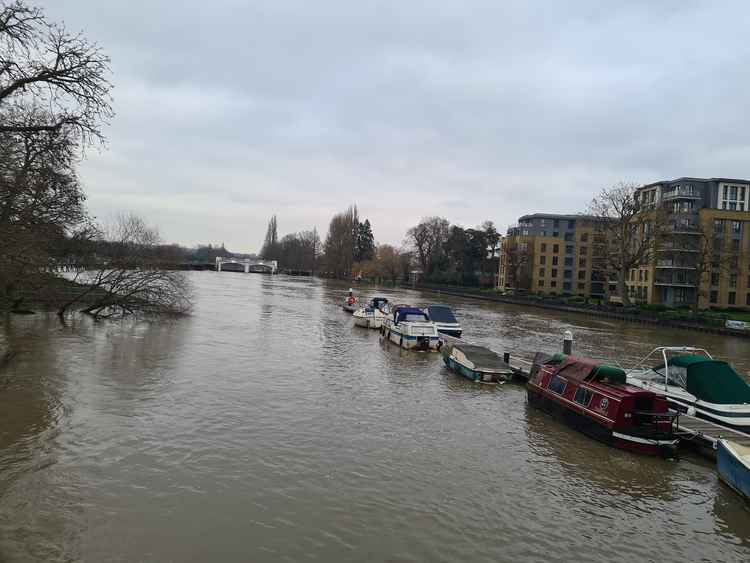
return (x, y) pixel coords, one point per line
(567, 343)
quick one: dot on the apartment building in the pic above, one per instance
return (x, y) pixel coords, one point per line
(705, 255)
(552, 254)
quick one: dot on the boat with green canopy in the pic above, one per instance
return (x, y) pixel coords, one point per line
(696, 384)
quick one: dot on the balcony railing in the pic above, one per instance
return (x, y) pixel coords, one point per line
(676, 193)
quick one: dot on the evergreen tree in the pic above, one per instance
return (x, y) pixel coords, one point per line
(365, 246)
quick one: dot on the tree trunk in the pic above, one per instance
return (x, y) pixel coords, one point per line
(622, 288)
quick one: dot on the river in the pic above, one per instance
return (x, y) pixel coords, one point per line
(265, 427)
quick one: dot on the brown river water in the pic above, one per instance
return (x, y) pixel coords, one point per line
(265, 427)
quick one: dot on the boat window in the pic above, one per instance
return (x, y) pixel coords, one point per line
(414, 317)
(441, 314)
(583, 396)
(677, 375)
(557, 384)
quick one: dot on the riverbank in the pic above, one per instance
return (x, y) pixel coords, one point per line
(643, 317)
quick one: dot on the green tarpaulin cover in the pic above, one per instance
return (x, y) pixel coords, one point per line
(710, 380)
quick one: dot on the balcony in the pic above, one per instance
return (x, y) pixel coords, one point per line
(684, 229)
(674, 264)
(672, 247)
(681, 193)
(675, 279)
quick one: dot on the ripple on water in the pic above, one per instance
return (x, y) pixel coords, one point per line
(267, 428)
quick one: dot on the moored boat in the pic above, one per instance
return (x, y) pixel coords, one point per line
(444, 319)
(411, 329)
(476, 363)
(372, 314)
(350, 303)
(696, 384)
(595, 399)
(733, 463)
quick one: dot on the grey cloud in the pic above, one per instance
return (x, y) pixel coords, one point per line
(230, 111)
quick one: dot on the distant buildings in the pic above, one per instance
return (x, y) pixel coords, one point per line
(552, 254)
(703, 259)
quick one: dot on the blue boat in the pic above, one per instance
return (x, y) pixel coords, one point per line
(733, 462)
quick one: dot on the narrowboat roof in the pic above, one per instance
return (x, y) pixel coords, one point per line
(711, 380)
(595, 373)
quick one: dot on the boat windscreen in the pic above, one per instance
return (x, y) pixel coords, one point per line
(441, 314)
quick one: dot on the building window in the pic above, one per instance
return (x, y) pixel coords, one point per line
(584, 238)
(733, 280)
(540, 283)
(581, 262)
(735, 245)
(736, 227)
(568, 237)
(640, 275)
(714, 296)
(542, 259)
(568, 274)
(645, 275)
(732, 298)
(584, 250)
(554, 272)
(714, 278)
(554, 260)
(544, 247)
(541, 272)
(734, 198)
(572, 224)
(569, 261)
(555, 248)
(568, 249)
(556, 223)
(553, 283)
(582, 286)
(581, 274)
(719, 226)
(566, 286)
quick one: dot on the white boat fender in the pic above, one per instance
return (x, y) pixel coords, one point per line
(691, 411)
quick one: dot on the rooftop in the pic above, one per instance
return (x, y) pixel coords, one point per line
(690, 179)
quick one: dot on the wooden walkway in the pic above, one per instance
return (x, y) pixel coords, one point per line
(705, 434)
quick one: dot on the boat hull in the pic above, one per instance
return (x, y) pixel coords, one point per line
(600, 432)
(424, 343)
(732, 470)
(474, 374)
(368, 322)
(735, 420)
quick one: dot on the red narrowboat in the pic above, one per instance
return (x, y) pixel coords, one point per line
(595, 399)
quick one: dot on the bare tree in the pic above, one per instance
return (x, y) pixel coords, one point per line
(340, 242)
(428, 239)
(133, 279)
(50, 79)
(631, 231)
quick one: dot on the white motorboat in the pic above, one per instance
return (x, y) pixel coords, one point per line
(373, 314)
(411, 329)
(696, 384)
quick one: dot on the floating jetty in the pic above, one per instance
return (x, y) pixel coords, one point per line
(704, 435)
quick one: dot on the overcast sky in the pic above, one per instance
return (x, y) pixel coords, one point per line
(229, 111)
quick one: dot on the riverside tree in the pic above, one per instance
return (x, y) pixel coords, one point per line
(126, 271)
(428, 239)
(341, 241)
(628, 230)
